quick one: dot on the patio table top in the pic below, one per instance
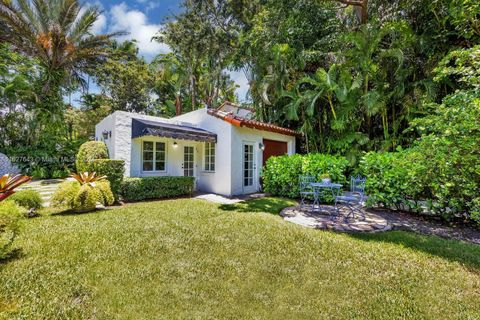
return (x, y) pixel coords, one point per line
(326, 185)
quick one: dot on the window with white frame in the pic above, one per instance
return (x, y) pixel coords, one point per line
(153, 156)
(209, 156)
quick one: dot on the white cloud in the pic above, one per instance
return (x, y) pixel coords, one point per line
(99, 25)
(241, 80)
(136, 24)
(149, 5)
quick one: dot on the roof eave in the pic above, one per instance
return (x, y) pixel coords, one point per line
(248, 124)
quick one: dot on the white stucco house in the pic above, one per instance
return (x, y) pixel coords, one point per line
(224, 148)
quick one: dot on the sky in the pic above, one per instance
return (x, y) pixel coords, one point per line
(142, 19)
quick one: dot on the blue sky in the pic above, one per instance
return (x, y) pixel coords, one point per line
(142, 19)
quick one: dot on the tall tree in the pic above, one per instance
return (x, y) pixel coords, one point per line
(172, 80)
(204, 36)
(57, 34)
(127, 79)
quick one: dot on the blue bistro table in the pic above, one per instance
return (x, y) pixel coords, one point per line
(318, 187)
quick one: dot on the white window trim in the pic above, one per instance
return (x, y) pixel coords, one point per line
(154, 157)
(205, 156)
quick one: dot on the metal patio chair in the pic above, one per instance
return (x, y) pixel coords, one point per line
(306, 189)
(354, 198)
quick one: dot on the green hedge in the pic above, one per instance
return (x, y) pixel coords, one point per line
(280, 175)
(441, 170)
(113, 169)
(395, 179)
(88, 152)
(136, 189)
(438, 181)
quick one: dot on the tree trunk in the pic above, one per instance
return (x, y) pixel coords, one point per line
(361, 8)
(178, 105)
(193, 91)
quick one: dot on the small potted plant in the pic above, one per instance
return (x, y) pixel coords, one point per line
(325, 178)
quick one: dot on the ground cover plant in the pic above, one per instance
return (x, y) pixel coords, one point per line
(194, 259)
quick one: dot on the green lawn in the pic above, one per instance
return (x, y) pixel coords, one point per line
(193, 259)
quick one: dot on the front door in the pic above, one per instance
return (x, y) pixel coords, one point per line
(188, 161)
(273, 148)
(249, 168)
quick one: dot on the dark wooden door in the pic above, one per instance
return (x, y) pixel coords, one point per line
(273, 148)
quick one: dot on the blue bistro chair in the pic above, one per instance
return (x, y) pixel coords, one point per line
(306, 190)
(354, 198)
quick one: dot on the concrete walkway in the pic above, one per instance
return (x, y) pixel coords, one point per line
(225, 200)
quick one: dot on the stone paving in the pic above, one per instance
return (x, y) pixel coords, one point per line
(429, 225)
(383, 220)
(324, 220)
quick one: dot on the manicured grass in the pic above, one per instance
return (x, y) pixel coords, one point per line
(193, 259)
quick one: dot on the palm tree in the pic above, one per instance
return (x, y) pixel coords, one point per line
(298, 104)
(58, 34)
(172, 73)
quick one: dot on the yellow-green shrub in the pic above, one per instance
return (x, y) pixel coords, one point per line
(83, 198)
(29, 199)
(10, 215)
(88, 152)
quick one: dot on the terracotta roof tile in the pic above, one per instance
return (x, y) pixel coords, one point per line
(249, 123)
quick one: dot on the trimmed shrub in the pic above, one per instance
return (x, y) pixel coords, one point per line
(113, 169)
(83, 198)
(136, 189)
(280, 175)
(438, 180)
(394, 179)
(29, 199)
(88, 152)
(441, 170)
(10, 215)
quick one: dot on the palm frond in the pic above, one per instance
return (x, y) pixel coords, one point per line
(42, 11)
(25, 6)
(82, 26)
(67, 12)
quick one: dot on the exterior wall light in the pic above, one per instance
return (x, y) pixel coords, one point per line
(175, 144)
(261, 146)
(106, 134)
